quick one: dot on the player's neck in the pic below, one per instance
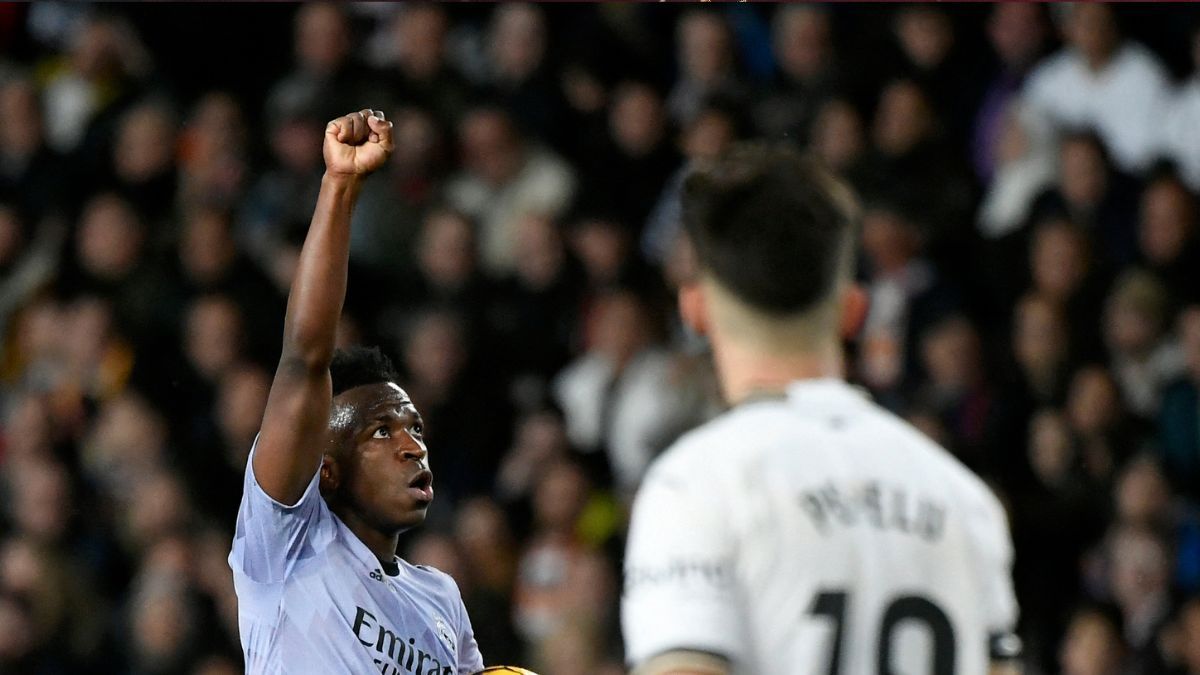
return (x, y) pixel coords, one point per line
(382, 544)
(745, 371)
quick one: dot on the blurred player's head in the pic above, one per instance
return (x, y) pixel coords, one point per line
(774, 237)
(374, 473)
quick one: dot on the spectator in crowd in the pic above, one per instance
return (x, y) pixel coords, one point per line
(1180, 414)
(506, 178)
(1102, 81)
(802, 41)
(1166, 234)
(1017, 34)
(1143, 359)
(706, 61)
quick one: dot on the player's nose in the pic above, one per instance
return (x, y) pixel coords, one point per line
(413, 452)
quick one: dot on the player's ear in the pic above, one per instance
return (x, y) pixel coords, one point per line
(331, 476)
(693, 306)
(854, 311)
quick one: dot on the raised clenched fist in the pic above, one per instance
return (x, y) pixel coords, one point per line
(357, 144)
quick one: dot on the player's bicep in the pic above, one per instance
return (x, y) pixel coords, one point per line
(679, 574)
(294, 431)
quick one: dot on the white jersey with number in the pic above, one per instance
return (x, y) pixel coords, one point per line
(818, 533)
(313, 599)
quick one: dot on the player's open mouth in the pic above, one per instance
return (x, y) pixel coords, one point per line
(421, 486)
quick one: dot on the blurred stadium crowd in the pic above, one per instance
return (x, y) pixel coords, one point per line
(1030, 248)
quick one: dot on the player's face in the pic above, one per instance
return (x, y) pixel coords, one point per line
(384, 468)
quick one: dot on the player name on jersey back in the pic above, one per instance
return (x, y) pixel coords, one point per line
(876, 504)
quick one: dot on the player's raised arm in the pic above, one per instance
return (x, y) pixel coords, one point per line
(295, 424)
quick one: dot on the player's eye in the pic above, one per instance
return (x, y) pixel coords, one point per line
(418, 429)
(382, 432)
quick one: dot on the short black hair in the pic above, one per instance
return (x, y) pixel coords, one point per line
(770, 225)
(356, 366)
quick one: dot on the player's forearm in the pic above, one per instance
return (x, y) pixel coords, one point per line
(319, 288)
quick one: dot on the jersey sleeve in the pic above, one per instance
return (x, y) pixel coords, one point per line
(469, 658)
(271, 538)
(998, 600)
(679, 573)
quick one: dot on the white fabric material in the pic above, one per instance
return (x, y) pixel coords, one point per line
(313, 599)
(1124, 102)
(754, 533)
(1181, 131)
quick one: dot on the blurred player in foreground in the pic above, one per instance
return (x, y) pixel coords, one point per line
(338, 471)
(807, 530)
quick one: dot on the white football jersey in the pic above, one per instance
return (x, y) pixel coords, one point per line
(818, 533)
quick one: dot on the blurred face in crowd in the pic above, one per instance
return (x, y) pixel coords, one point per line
(1051, 453)
(20, 119)
(296, 143)
(602, 245)
(542, 254)
(241, 401)
(1140, 567)
(12, 236)
(109, 240)
(1083, 177)
(27, 429)
(619, 327)
(214, 335)
(1133, 315)
(145, 145)
(158, 505)
(560, 498)
(1093, 404)
(802, 41)
(704, 47)
(1168, 213)
(1017, 32)
(517, 41)
(446, 249)
(436, 354)
(1039, 335)
(418, 143)
(17, 635)
(708, 135)
(903, 119)
(1189, 626)
(127, 432)
(1092, 29)
(164, 622)
(440, 552)
(925, 35)
(1189, 334)
(950, 352)
(1142, 493)
(322, 38)
(420, 31)
(1058, 260)
(207, 249)
(96, 49)
(889, 240)
(1092, 646)
(491, 148)
(636, 120)
(837, 134)
(41, 503)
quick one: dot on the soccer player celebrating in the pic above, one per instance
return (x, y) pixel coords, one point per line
(339, 470)
(807, 530)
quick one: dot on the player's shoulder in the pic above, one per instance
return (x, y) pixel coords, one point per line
(429, 576)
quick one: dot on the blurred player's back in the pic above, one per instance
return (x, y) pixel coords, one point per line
(807, 530)
(817, 533)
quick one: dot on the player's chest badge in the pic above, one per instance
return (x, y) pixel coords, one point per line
(444, 633)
